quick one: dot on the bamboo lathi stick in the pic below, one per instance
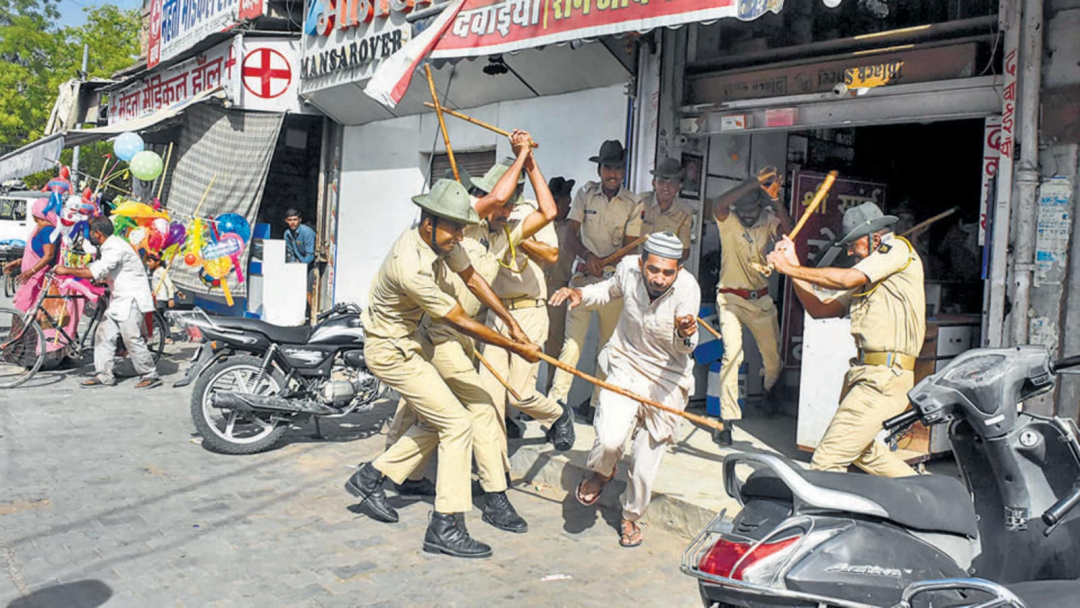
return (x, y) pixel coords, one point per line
(476, 122)
(498, 377)
(712, 331)
(819, 196)
(713, 424)
(923, 225)
(442, 122)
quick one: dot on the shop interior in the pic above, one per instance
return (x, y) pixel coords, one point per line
(925, 169)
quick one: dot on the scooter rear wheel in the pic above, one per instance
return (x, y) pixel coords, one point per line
(228, 431)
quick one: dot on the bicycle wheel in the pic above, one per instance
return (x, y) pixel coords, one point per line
(22, 348)
(156, 340)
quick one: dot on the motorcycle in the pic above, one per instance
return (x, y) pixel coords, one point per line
(810, 538)
(254, 379)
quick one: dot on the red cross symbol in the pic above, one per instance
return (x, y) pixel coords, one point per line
(266, 73)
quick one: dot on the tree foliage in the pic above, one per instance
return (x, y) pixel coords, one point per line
(37, 55)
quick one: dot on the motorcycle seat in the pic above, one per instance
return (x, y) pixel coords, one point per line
(1047, 594)
(276, 333)
(931, 503)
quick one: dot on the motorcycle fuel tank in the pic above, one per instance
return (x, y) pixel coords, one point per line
(340, 331)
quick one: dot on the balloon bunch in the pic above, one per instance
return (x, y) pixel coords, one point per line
(216, 245)
(58, 188)
(144, 164)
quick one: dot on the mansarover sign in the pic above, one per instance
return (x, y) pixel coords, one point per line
(345, 39)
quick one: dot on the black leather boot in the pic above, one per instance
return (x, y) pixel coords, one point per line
(561, 434)
(415, 487)
(445, 535)
(500, 513)
(723, 438)
(367, 485)
(515, 429)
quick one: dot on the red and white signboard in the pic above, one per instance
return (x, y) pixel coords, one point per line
(991, 158)
(256, 74)
(266, 73)
(484, 27)
(251, 9)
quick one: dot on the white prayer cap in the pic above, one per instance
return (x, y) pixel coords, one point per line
(665, 245)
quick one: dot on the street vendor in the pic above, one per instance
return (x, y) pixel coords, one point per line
(885, 296)
(409, 285)
(649, 355)
(599, 216)
(748, 220)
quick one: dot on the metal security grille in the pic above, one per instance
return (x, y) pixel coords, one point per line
(475, 163)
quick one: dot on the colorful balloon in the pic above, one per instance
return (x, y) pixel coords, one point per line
(235, 223)
(136, 237)
(147, 165)
(191, 259)
(121, 223)
(177, 234)
(128, 145)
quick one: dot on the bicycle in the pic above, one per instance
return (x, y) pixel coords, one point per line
(23, 346)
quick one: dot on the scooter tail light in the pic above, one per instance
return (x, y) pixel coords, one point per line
(744, 561)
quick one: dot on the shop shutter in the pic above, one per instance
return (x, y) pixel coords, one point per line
(476, 163)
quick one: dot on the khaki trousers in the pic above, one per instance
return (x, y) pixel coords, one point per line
(448, 424)
(555, 335)
(518, 373)
(759, 316)
(577, 327)
(871, 395)
(617, 418)
(455, 366)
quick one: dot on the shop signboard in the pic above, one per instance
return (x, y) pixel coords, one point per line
(345, 39)
(821, 230)
(884, 69)
(483, 27)
(177, 25)
(256, 74)
(991, 158)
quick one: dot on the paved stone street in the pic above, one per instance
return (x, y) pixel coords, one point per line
(108, 498)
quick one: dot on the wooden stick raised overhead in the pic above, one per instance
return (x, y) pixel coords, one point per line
(713, 424)
(442, 123)
(476, 122)
(819, 196)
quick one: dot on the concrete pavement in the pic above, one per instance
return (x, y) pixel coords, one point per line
(108, 498)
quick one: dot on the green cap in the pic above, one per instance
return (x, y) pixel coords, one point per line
(448, 200)
(865, 219)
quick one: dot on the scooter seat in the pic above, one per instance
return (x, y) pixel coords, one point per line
(1047, 594)
(931, 503)
(276, 333)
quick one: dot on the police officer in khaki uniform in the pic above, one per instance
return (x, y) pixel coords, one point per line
(662, 210)
(404, 290)
(558, 276)
(599, 216)
(453, 352)
(523, 289)
(884, 292)
(742, 299)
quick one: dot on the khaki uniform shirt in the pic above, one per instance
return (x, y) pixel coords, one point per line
(530, 282)
(646, 341)
(739, 246)
(649, 218)
(603, 222)
(407, 287)
(889, 313)
(559, 274)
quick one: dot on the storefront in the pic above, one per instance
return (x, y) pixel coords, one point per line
(908, 110)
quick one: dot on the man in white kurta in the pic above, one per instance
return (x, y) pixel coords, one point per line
(650, 355)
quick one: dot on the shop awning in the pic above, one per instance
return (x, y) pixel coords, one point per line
(42, 154)
(483, 27)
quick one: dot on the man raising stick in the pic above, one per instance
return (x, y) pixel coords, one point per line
(649, 354)
(885, 295)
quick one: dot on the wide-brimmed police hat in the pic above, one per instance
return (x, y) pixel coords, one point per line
(449, 200)
(612, 154)
(560, 186)
(667, 168)
(865, 219)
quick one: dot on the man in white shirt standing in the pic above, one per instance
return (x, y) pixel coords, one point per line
(650, 355)
(129, 301)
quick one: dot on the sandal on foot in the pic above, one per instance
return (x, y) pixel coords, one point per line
(579, 493)
(148, 383)
(630, 534)
(95, 382)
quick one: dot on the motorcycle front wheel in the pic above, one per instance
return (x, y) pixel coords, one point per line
(229, 431)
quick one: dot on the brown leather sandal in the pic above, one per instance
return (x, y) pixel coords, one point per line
(579, 493)
(630, 534)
